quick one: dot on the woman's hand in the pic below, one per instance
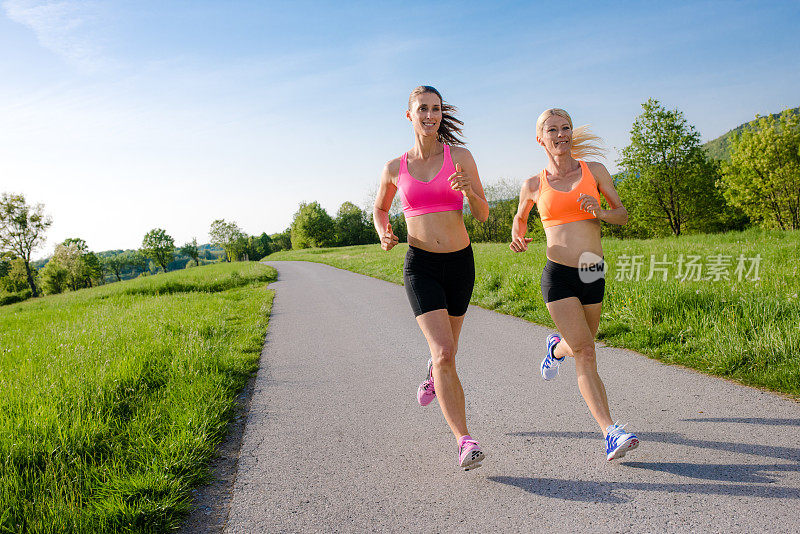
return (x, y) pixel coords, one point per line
(520, 244)
(388, 239)
(589, 204)
(459, 181)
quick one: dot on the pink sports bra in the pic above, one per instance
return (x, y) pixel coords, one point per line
(420, 197)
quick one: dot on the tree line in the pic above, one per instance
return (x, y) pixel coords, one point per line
(671, 185)
(668, 182)
(73, 266)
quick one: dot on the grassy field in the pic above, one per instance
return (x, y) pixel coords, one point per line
(747, 330)
(115, 398)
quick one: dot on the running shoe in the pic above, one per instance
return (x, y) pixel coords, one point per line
(470, 454)
(425, 391)
(619, 442)
(550, 363)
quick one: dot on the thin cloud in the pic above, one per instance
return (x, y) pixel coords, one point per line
(66, 28)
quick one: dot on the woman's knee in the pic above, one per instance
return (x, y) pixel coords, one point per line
(584, 352)
(443, 355)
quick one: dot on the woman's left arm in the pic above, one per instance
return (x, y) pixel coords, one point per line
(605, 184)
(466, 180)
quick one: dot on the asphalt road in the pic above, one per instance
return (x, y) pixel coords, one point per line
(335, 441)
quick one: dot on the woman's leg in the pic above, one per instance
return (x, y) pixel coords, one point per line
(442, 332)
(592, 313)
(578, 325)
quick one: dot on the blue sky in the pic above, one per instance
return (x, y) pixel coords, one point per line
(125, 116)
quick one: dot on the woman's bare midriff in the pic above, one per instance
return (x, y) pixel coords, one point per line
(442, 231)
(566, 242)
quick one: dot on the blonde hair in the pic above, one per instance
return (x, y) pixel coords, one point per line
(584, 142)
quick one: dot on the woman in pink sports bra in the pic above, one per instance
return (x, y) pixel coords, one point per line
(433, 180)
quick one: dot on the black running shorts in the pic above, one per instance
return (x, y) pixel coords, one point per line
(559, 281)
(439, 280)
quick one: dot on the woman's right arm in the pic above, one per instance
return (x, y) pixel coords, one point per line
(383, 203)
(527, 197)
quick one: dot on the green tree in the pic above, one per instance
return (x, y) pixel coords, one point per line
(159, 247)
(190, 249)
(265, 245)
(312, 227)
(229, 236)
(763, 176)
(134, 260)
(258, 246)
(281, 240)
(55, 277)
(70, 256)
(240, 247)
(670, 183)
(22, 230)
(16, 278)
(113, 265)
(352, 226)
(85, 268)
(5, 266)
(93, 269)
(638, 227)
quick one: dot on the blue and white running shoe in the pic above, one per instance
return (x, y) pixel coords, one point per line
(550, 363)
(619, 442)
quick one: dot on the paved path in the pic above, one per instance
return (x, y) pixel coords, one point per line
(335, 440)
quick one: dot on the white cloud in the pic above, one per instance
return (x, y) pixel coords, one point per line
(66, 28)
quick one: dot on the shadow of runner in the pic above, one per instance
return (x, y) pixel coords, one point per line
(588, 491)
(673, 438)
(750, 420)
(755, 474)
(570, 490)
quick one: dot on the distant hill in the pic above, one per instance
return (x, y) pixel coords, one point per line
(208, 254)
(719, 148)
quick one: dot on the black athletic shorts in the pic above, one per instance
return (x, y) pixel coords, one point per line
(586, 283)
(439, 280)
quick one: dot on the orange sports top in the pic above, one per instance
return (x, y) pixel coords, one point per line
(559, 207)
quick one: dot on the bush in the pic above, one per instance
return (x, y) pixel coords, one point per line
(312, 227)
(11, 298)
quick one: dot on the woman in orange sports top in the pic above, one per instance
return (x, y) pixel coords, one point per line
(567, 193)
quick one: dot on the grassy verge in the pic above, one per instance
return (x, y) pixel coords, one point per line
(747, 330)
(115, 398)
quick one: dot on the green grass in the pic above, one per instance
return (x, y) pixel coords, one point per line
(115, 398)
(744, 330)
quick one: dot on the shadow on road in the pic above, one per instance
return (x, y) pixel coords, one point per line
(742, 477)
(608, 492)
(749, 420)
(755, 474)
(674, 438)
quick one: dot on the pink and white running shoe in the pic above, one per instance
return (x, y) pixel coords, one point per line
(470, 454)
(426, 391)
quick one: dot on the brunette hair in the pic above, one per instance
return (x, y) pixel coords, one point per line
(450, 126)
(584, 142)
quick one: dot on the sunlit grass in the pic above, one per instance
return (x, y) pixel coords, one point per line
(746, 330)
(115, 398)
